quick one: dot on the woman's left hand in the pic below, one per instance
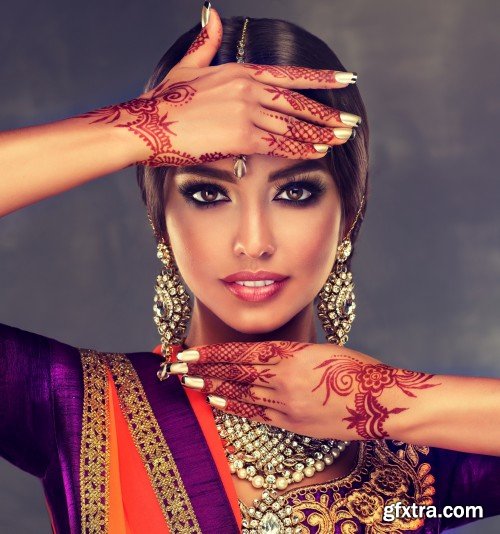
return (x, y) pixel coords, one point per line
(318, 390)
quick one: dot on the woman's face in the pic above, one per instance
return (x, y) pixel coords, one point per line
(283, 216)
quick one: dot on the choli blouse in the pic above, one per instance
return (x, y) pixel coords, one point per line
(118, 451)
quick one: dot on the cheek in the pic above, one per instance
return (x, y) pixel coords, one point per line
(195, 245)
(310, 241)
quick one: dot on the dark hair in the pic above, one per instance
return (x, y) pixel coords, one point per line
(277, 42)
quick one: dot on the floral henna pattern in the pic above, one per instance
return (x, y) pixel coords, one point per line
(303, 131)
(261, 352)
(142, 117)
(293, 73)
(200, 40)
(241, 373)
(345, 374)
(250, 411)
(299, 102)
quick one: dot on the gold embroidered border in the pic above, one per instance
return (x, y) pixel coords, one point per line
(94, 448)
(150, 442)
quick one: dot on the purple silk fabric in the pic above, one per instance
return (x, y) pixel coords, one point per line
(41, 391)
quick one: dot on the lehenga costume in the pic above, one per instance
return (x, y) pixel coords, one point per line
(119, 451)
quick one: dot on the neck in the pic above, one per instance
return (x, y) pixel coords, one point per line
(206, 329)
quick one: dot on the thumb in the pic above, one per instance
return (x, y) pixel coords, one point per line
(205, 46)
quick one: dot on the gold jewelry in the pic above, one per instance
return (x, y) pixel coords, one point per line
(271, 459)
(171, 308)
(336, 299)
(240, 167)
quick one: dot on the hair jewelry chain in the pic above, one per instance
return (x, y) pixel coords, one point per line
(240, 167)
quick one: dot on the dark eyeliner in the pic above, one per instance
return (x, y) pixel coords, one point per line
(192, 186)
(312, 184)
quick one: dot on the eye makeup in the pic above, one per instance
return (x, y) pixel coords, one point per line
(313, 184)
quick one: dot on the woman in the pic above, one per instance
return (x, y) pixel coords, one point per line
(118, 449)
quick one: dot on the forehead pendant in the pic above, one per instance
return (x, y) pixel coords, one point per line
(240, 166)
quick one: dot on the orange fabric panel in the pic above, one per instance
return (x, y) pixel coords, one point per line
(206, 421)
(134, 506)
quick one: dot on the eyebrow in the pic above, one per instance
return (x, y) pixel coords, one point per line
(204, 171)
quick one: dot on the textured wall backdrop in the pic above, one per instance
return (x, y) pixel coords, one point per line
(80, 267)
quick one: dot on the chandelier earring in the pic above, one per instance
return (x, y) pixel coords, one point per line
(337, 300)
(171, 307)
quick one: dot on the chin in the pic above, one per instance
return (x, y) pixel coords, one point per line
(257, 323)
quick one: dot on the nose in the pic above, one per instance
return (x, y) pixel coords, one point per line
(254, 237)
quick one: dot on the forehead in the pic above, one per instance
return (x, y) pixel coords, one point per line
(258, 166)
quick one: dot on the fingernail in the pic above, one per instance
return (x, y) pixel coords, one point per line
(217, 402)
(188, 356)
(177, 368)
(321, 148)
(193, 382)
(350, 119)
(205, 13)
(346, 77)
(343, 133)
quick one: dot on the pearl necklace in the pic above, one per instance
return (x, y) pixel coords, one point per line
(271, 459)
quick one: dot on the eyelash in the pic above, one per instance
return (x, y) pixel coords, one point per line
(315, 186)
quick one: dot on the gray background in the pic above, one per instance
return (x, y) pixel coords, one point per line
(80, 267)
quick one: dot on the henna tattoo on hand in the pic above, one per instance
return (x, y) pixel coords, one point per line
(293, 73)
(303, 131)
(142, 117)
(299, 102)
(344, 374)
(249, 352)
(279, 147)
(200, 40)
(251, 411)
(235, 372)
(231, 390)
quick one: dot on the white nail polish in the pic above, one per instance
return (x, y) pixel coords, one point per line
(217, 402)
(205, 13)
(350, 119)
(188, 356)
(346, 77)
(342, 133)
(321, 148)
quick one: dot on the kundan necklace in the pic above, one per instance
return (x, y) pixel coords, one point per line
(272, 458)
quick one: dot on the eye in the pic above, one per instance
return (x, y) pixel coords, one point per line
(207, 194)
(296, 194)
(203, 195)
(300, 193)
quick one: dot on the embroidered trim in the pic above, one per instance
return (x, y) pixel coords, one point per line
(94, 448)
(148, 438)
(356, 501)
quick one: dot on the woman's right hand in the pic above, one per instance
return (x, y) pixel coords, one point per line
(199, 113)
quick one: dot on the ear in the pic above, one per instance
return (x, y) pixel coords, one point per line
(205, 46)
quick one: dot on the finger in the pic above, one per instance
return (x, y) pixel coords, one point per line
(279, 123)
(300, 77)
(233, 390)
(300, 106)
(270, 144)
(246, 374)
(264, 352)
(205, 46)
(255, 412)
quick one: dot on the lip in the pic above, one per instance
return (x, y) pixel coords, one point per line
(255, 294)
(249, 276)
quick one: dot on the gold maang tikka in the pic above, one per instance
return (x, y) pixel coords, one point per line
(240, 166)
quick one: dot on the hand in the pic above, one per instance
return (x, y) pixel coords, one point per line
(201, 113)
(318, 390)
